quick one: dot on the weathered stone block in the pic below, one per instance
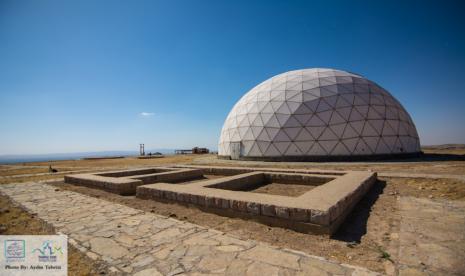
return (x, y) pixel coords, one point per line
(319, 217)
(253, 208)
(142, 192)
(282, 212)
(225, 203)
(298, 214)
(268, 210)
(231, 202)
(240, 206)
(201, 200)
(186, 197)
(334, 212)
(171, 195)
(210, 201)
(218, 203)
(180, 197)
(193, 199)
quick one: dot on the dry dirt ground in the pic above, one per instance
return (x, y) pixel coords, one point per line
(368, 238)
(27, 170)
(437, 161)
(293, 190)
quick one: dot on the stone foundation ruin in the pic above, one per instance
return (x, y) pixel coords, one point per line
(319, 204)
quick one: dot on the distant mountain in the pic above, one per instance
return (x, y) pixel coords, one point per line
(23, 158)
(445, 146)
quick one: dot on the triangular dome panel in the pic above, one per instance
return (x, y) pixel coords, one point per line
(317, 150)
(340, 149)
(293, 150)
(304, 146)
(272, 151)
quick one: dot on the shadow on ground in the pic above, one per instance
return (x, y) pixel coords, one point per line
(355, 226)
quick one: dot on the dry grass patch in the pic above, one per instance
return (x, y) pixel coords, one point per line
(453, 189)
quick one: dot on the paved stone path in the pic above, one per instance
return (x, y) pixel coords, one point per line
(432, 237)
(139, 243)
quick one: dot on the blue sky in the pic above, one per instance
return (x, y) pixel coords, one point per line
(77, 75)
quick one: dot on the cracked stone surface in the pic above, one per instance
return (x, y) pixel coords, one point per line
(432, 237)
(134, 242)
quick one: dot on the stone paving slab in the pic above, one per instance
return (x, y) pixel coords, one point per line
(432, 237)
(134, 242)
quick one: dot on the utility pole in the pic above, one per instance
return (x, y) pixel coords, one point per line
(142, 149)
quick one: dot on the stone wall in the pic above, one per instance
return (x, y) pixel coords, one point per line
(125, 182)
(320, 210)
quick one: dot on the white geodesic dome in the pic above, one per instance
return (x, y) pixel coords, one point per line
(317, 113)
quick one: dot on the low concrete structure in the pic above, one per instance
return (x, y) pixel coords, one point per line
(320, 210)
(122, 186)
(125, 182)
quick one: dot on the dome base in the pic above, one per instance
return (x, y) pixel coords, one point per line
(328, 158)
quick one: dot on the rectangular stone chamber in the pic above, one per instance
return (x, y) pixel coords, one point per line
(287, 184)
(320, 210)
(125, 182)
